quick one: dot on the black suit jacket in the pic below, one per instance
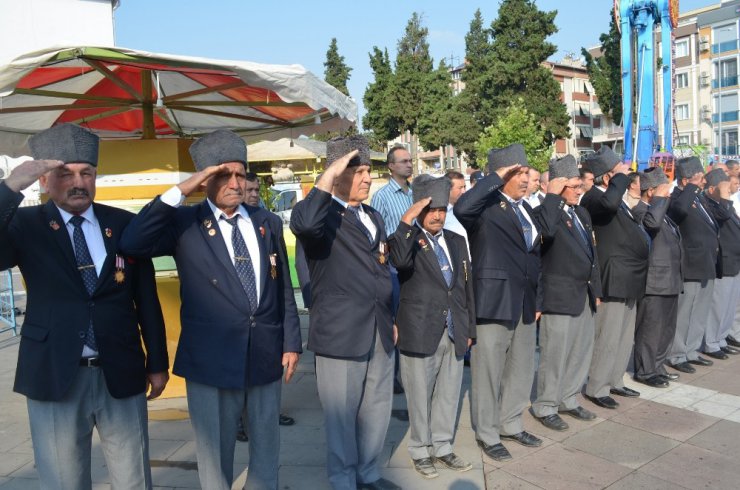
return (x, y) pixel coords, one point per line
(665, 273)
(570, 267)
(59, 308)
(729, 235)
(350, 278)
(505, 271)
(621, 244)
(425, 297)
(699, 234)
(222, 342)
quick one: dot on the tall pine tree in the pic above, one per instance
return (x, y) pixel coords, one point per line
(336, 71)
(514, 67)
(380, 115)
(435, 125)
(605, 71)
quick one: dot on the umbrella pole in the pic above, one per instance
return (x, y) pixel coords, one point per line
(147, 106)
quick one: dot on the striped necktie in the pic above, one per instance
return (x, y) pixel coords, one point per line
(243, 262)
(87, 270)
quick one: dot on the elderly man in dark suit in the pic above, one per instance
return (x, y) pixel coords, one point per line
(505, 251)
(81, 364)
(726, 286)
(351, 323)
(623, 247)
(569, 291)
(657, 310)
(700, 253)
(436, 323)
(239, 320)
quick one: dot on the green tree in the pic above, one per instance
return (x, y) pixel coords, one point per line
(336, 71)
(514, 68)
(435, 125)
(380, 115)
(605, 71)
(413, 68)
(516, 125)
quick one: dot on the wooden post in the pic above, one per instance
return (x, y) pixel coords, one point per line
(147, 106)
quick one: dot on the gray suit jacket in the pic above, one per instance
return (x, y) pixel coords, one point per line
(665, 272)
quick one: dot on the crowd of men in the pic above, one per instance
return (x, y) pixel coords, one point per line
(591, 263)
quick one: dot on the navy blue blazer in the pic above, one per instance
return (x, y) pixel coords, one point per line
(222, 343)
(350, 282)
(124, 312)
(505, 270)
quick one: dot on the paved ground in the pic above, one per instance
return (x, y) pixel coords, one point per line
(687, 436)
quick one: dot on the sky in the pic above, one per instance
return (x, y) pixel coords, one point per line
(291, 31)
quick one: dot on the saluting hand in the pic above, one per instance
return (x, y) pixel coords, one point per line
(415, 210)
(29, 172)
(198, 180)
(663, 190)
(556, 185)
(326, 182)
(507, 172)
(724, 189)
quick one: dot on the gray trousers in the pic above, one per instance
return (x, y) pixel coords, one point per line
(502, 369)
(614, 334)
(432, 385)
(61, 432)
(566, 347)
(654, 333)
(735, 330)
(356, 395)
(694, 305)
(214, 413)
(722, 313)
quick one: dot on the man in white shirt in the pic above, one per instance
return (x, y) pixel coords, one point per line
(457, 189)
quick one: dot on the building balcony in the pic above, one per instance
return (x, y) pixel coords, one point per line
(729, 116)
(725, 82)
(724, 47)
(727, 150)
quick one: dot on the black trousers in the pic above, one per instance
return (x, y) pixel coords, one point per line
(654, 331)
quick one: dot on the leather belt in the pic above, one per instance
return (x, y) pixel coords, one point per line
(90, 362)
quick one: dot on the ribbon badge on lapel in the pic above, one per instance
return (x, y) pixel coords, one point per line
(119, 276)
(503, 205)
(423, 244)
(54, 225)
(108, 232)
(273, 264)
(569, 223)
(381, 252)
(465, 269)
(209, 226)
(262, 232)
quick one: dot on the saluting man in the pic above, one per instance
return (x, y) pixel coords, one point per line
(436, 323)
(569, 292)
(81, 364)
(239, 319)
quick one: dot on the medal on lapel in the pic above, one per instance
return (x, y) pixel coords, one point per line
(423, 244)
(209, 226)
(273, 266)
(465, 269)
(569, 223)
(108, 232)
(381, 254)
(593, 237)
(262, 231)
(54, 225)
(119, 276)
(503, 205)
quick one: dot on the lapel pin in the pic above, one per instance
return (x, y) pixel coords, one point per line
(54, 225)
(108, 232)
(569, 223)
(207, 223)
(212, 232)
(262, 232)
(503, 205)
(273, 265)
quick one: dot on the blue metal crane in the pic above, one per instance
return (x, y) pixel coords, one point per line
(638, 20)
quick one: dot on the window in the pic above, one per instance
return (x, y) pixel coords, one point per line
(683, 140)
(682, 112)
(585, 132)
(682, 48)
(682, 80)
(583, 110)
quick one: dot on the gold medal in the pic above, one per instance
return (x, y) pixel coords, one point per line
(212, 232)
(119, 276)
(381, 259)
(273, 266)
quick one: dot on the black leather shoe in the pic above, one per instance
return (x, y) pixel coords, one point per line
(425, 468)
(603, 401)
(732, 341)
(624, 391)
(553, 422)
(730, 350)
(497, 451)
(525, 439)
(656, 381)
(380, 484)
(670, 376)
(285, 420)
(241, 436)
(700, 361)
(580, 413)
(684, 367)
(454, 462)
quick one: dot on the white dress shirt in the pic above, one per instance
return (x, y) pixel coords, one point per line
(364, 217)
(535, 233)
(173, 197)
(96, 246)
(453, 224)
(440, 237)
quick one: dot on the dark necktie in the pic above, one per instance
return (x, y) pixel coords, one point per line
(243, 262)
(526, 226)
(581, 231)
(444, 265)
(355, 210)
(87, 270)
